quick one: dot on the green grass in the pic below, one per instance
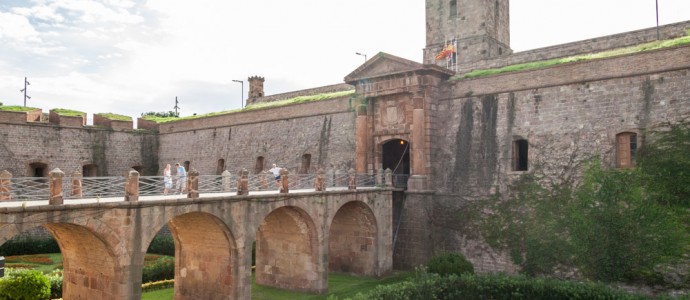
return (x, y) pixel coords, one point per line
(557, 61)
(32, 262)
(17, 108)
(342, 286)
(295, 100)
(116, 117)
(67, 112)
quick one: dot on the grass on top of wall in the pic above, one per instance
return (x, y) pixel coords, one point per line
(116, 117)
(17, 108)
(68, 112)
(295, 100)
(583, 57)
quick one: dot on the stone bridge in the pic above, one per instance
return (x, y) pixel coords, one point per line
(299, 238)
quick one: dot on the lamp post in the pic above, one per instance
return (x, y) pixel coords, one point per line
(658, 36)
(26, 82)
(360, 54)
(242, 95)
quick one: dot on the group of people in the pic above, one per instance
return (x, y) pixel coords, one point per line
(180, 179)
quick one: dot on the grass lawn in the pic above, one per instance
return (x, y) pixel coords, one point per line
(339, 285)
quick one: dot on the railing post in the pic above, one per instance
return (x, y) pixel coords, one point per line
(76, 184)
(263, 184)
(389, 177)
(56, 176)
(284, 181)
(5, 185)
(225, 181)
(243, 182)
(379, 178)
(352, 179)
(320, 181)
(193, 184)
(132, 186)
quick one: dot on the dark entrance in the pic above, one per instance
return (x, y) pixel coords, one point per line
(396, 156)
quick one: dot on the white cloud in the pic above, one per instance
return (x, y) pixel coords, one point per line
(17, 27)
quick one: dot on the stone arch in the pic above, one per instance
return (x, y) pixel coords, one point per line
(353, 240)
(287, 251)
(206, 264)
(91, 269)
(395, 153)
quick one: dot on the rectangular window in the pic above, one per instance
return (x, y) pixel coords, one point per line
(453, 8)
(520, 151)
(626, 146)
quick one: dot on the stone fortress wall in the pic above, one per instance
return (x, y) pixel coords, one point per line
(573, 109)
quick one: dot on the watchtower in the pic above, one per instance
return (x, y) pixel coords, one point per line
(256, 89)
(474, 29)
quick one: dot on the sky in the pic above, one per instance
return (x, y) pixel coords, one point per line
(134, 56)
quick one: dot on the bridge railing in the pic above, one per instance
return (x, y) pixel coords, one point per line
(39, 188)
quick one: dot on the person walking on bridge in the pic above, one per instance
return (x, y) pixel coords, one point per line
(181, 185)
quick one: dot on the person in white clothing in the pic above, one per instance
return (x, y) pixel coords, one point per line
(276, 173)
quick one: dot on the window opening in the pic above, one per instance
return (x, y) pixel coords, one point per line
(306, 164)
(520, 155)
(626, 147)
(453, 8)
(259, 166)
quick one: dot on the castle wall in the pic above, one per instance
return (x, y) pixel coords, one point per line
(69, 149)
(282, 135)
(593, 45)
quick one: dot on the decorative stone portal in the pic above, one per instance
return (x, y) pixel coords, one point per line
(205, 257)
(286, 252)
(354, 249)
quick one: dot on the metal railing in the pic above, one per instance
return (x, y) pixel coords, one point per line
(38, 188)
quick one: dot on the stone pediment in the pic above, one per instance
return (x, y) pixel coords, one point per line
(384, 64)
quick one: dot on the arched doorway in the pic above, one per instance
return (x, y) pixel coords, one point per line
(396, 156)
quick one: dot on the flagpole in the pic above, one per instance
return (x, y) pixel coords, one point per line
(657, 20)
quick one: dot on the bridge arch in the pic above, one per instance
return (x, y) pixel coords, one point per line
(206, 264)
(352, 244)
(287, 254)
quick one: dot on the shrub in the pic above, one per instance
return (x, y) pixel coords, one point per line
(55, 279)
(24, 285)
(162, 269)
(157, 285)
(450, 263)
(164, 245)
(29, 245)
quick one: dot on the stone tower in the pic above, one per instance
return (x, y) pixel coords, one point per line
(256, 89)
(479, 27)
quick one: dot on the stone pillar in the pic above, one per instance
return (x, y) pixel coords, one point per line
(361, 143)
(352, 180)
(388, 177)
(5, 185)
(193, 184)
(243, 182)
(320, 181)
(284, 184)
(225, 181)
(418, 179)
(76, 184)
(379, 178)
(132, 186)
(55, 178)
(263, 184)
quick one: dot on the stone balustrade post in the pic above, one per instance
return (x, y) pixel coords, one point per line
(284, 183)
(320, 181)
(5, 185)
(55, 177)
(243, 182)
(193, 184)
(132, 186)
(76, 184)
(263, 183)
(389, 177)
(225, 181)
(379, 178)
(352, 179)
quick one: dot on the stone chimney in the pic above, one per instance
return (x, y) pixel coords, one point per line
(256, 89)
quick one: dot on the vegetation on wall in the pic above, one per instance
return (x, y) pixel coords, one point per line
(609, 225)
(17, 108)
(583, 57)
(116, 117)
(68, 112)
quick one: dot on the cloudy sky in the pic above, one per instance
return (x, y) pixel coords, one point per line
(134, 56)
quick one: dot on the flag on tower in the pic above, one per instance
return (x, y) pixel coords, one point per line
(447, 51)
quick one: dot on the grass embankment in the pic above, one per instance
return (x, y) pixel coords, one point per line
(17, 108)
(295, 100)
(557, 61)
(68, 112)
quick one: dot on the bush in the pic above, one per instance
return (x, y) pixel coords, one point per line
(24, 285)
(164, 245)
(29, 245)
(162, 269)
(450, 263)
(157, 285)
(55, 279)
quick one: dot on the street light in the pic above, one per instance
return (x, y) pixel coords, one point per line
(365, 56)
(26, 82)
(241, 95)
